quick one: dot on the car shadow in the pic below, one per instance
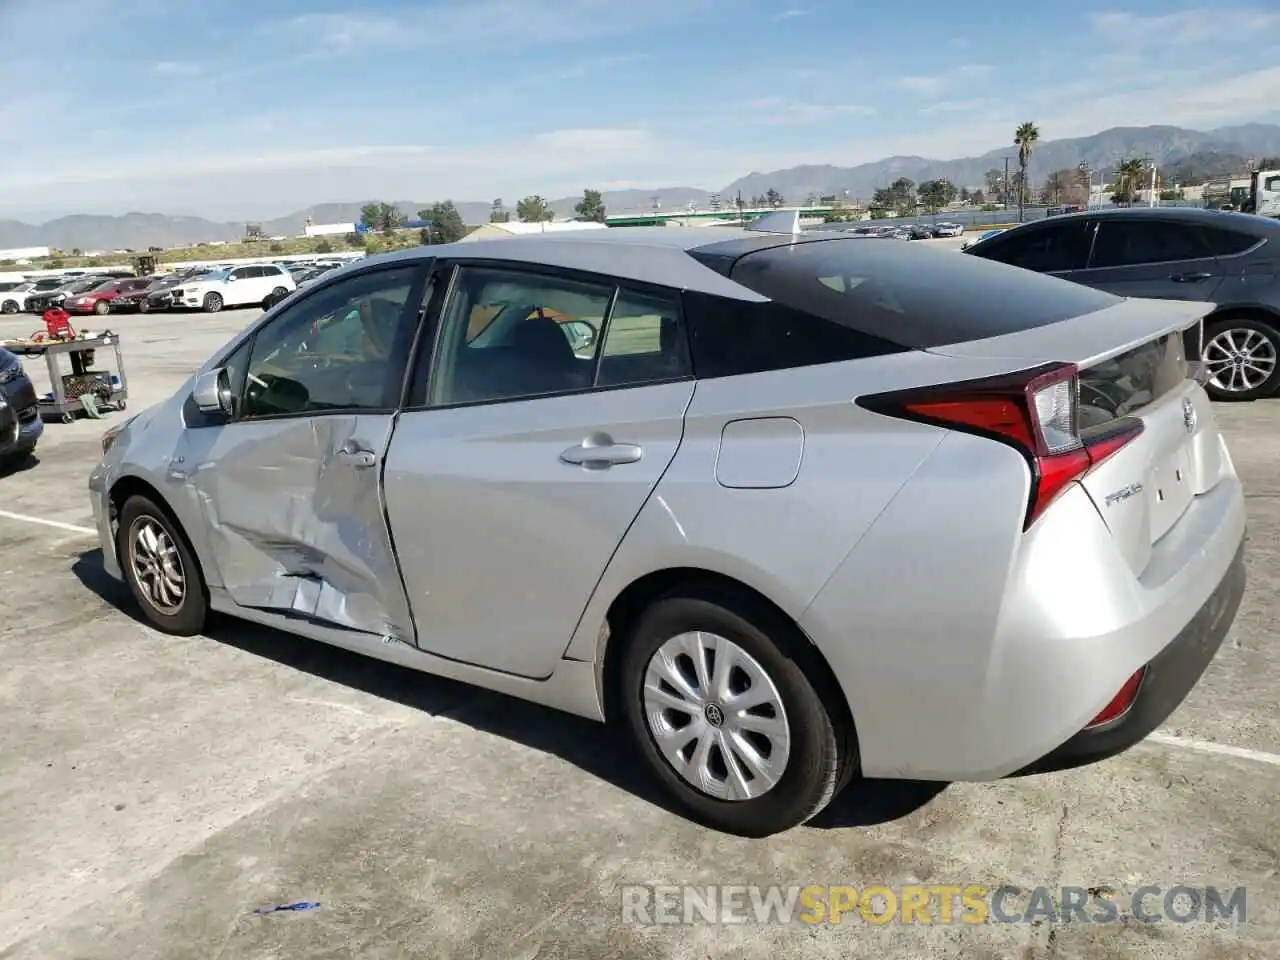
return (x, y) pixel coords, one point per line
(22, 466)
(598, 749)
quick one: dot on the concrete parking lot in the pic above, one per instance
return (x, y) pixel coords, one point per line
(155, 791)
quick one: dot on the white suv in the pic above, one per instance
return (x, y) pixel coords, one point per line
(260, 284)
(13, 295)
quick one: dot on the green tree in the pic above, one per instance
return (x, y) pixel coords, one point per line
(354, 239)
(590, 207)
(533, 209)
(936, 194)
(1026, 137)
(1128, 181)
(324, 246)
(899, 197)
(773, 198)
(382, 217)
(77, 252)
(499, 213)
(276, 248)
(446, 222)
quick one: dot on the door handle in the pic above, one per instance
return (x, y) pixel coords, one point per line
(605, 455)
(357, 458)
(1190, 277)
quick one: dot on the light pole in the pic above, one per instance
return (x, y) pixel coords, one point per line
(1088, 180)
(1006, 183)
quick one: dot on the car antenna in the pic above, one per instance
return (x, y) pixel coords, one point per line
(784, 221)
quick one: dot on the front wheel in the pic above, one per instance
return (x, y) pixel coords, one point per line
(144, 306)
(212, 303)
(727, 719)
(101, 307)
(162, 574)
(9, 306)
(1243, 359)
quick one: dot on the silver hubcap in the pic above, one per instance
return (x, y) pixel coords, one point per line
(157, 566)
(1239, 360)
(716, 716)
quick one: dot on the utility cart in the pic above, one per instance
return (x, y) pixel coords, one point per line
(87, 388)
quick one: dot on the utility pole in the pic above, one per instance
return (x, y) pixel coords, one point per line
(1006, 183)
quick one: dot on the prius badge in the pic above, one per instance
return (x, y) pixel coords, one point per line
(1189, 418)
(1124, 493)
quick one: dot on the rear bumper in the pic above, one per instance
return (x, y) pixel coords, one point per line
(984, 655)
(1169, 678)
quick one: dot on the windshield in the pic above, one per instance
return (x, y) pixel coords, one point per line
(209, 275)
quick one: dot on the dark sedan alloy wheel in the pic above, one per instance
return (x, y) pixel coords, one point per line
(1243, 360)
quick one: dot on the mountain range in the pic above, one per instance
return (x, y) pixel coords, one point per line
(1225, 147)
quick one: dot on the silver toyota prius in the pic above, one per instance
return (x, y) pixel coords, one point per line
(793, 510)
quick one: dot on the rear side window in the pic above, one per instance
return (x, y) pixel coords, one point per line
(908, 295)
(1227, 243)
(1129, 243)
(732, 337)
(1043, 249)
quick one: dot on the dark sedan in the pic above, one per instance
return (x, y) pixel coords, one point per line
(20, 424)
(47, 300)
(1173, 253)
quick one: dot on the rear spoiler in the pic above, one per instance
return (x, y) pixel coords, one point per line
(1094, 337)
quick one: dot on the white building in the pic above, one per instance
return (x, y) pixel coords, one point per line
(24, 253)
(330, 229)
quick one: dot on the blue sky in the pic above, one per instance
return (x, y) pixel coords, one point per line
(252, 110)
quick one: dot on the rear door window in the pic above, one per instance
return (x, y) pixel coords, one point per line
(1055, 249)
(1227, 243)
(908, 294)
(1131, 243)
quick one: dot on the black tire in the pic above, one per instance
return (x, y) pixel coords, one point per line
(101, 308)
(1245, 328)
(822, 750)
(212, 303)
(144, 306)
(16, 459)
(189, 616)
(9, 306)
(278, 294)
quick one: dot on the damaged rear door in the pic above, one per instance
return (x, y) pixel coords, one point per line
(290, 484)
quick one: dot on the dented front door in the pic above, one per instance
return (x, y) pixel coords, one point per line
(296, 524)
(290, 486)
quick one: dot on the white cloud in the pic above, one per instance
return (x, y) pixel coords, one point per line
(961, 106)
(932, 86)
(1183, 27)
(483, 24)
(176, 68)
(789, 14)
(778, 110)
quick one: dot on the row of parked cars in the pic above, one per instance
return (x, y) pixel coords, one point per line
(200, 288)
(914, 231)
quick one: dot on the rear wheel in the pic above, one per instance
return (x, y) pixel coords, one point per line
(9, 306)
(212, 303)
(144, 306)
(162, 574)
(727, 718)
(101, 307)
(1243, 359)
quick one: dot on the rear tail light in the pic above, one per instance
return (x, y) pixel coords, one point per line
(1120, 703)
(1034, 411)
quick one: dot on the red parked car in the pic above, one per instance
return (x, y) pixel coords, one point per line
(98, 299)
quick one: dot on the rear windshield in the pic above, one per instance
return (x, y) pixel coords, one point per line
(910, 294)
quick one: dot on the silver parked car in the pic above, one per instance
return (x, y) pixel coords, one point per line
(795, 510)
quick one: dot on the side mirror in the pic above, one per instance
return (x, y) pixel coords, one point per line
(212, 392)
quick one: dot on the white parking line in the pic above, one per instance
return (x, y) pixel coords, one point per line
(46, 522)
(1216, 749)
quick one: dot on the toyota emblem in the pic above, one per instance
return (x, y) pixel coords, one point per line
(1189, 418)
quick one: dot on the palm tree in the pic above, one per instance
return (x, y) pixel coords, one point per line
(1026, 137)
(1128, 176)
